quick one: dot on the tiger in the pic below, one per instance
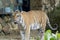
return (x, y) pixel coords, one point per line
(32, 20)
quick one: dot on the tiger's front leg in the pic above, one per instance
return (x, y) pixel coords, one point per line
(22, 35)
(27, 32)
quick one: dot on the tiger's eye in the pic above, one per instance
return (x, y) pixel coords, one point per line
(18, 15)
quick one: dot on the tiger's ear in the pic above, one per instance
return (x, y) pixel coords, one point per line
(21, 12)
(16, 12)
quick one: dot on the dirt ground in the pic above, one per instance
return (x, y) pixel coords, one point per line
(15, 36)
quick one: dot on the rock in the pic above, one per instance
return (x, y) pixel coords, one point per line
(0, 27)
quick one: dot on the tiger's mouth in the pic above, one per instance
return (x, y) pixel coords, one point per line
(15, 22)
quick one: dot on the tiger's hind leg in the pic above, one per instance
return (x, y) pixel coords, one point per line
(42, 29)
(41, 33)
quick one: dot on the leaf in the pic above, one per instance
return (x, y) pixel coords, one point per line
(47, 34)
(52, 38)
(58, 35)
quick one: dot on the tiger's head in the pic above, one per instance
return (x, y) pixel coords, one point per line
(17, 16)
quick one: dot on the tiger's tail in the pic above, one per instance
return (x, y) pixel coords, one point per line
(48, 22)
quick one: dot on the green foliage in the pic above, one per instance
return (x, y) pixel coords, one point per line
(58, 36)
(47, 34)
(50, 36)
